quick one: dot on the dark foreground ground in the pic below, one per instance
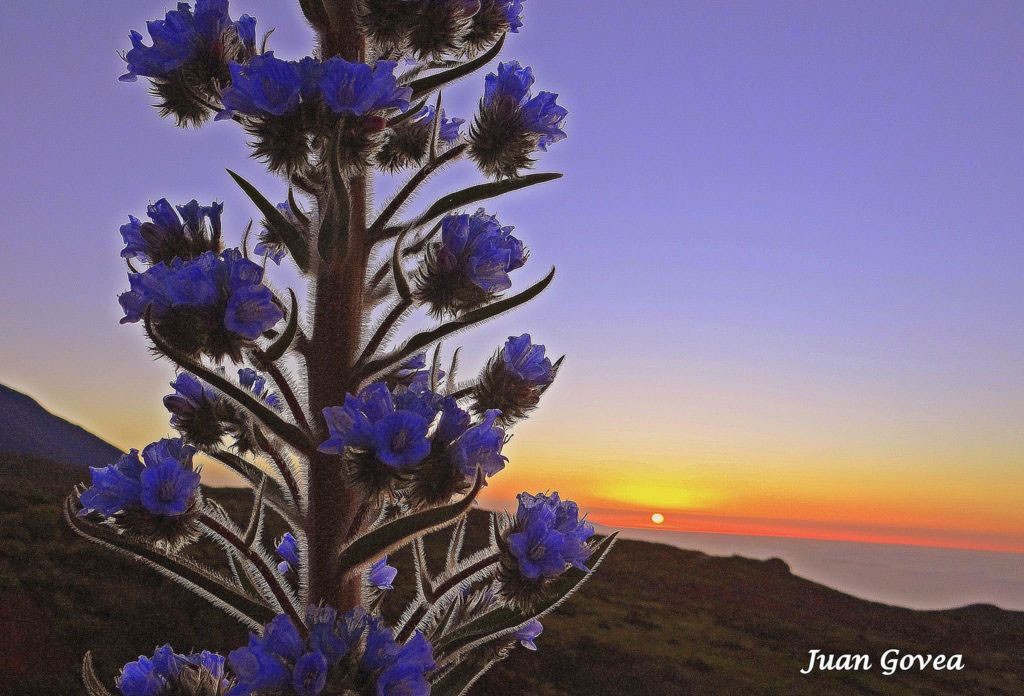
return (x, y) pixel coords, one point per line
(655, 620)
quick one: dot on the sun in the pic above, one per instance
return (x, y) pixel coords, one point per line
(657, 518)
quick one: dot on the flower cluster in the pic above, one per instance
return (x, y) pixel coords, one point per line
(282, 661)
(215, 304)
(167, 672)
(470, 265)
(512, 124)
(155, 497)
(545, 538)
(389, 441)
(287, 103)
(494, 18)
(189, 56)
(407, 143)
(433, 29)
(166, 236)
(514, 379)
(203, 416)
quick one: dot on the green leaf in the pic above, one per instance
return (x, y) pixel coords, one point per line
(93, 685)
(280, 346)
(297, 244)
(426, 338)
(400, 532)
(426, 85)
(505, 620)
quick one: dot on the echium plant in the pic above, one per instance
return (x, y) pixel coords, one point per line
(354, 438)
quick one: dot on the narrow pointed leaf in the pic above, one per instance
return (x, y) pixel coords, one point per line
(476, 316)
(426, 85)
(296, 209)
(459, 679)
(297, 245)
(93, 684)
(474, 194)
(400, 532)
(256, 516)
(212, 587)
(407, 114)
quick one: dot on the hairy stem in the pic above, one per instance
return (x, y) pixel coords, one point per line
(269, 576)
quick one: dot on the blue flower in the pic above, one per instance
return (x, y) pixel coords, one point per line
(270, 245)
(264, 86)
(207, 304)
(449, 129)
(471, 264)
(310, 675)
(528, 633)
(400, 439)
(548, 536)
(351, 425)
(403, 669)
(140, 678)
(514, 380)
(166, 237)
(382, 575)
(257, 384)
(526, 361)
(513, 13)
(182, 36)
(251, 310)
(281, 661)
(166, 671)
(511, 84)
(195, 410)
(332, 635)
(169, 484)
(256, 669)
(480, 446)
(511, 123)
(357, 88)
(288, 550)
(115, 487)
(544, 117)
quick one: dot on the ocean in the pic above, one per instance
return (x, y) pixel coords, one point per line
(916, 577)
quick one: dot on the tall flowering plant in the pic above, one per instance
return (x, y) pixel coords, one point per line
(360, 441)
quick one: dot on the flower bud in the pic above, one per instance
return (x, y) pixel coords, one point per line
(544, 539)
(156, 498)
(514, 380)
(494, 18)
(511, 124)
(470, 266)
(190, 56)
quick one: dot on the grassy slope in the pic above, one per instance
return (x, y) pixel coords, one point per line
(654, 620)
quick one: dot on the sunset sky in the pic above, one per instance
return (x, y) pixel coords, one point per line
(789, 244)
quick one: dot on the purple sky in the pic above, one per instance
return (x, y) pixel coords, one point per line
(790, 236)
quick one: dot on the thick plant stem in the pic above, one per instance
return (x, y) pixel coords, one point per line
(334, 346)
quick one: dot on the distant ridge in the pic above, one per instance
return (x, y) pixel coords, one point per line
(28, 429)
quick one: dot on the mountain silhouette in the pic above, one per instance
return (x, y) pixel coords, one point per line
(26, 428)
